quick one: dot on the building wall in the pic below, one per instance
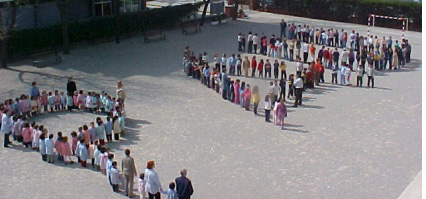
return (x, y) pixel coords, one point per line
(46, 14)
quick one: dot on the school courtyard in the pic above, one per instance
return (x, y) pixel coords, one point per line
(344, 142)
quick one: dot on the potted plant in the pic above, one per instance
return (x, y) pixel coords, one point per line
(215, 20)
(240, 13)
(222, 18)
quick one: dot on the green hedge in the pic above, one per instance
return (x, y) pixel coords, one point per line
(28, 41)
(355, 11)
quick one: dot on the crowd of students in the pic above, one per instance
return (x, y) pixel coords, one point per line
(237, 91)
(89, 142)
(359, 54)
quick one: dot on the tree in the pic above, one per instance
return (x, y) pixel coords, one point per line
(63, 8)
(7, 24)
(203, 16)
(116, 6)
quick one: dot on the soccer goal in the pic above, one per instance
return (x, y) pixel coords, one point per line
(372, 19)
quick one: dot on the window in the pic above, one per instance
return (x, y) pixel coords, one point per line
(102, 8)
(129, 6)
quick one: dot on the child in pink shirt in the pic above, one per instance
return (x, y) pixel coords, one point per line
(103, 156)
(66, 150)
(75, 99)
(44, 101)
(26, 135)
(74, 141)
(91, 150)
(57, 101)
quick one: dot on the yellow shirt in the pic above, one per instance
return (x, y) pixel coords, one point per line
(255, 97)
(283, 66)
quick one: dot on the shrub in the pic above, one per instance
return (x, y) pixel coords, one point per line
(28, 41)
(356, 11)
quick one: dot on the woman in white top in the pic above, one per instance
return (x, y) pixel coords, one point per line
(153, 185)
(348, 76)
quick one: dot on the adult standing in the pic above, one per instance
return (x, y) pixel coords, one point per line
(6, 127)
(34, 91)
(120, 91)
(184, 188)
(129, 171)
(255, 98)
(250, 42)
(276, 90)
(255, 43)
(298, 85)
(246, 66)
(370, 75)
(224, 83)
(71, 88)
(283, 26)
(187, 53)
(153, 185)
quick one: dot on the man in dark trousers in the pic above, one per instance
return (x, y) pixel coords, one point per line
(71, 88)
(183, 186)
(283, 26)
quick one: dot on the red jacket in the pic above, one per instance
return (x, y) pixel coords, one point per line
(253, 63)
(325, 54)
(260, 66)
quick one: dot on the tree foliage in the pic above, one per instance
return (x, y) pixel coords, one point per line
(354, 10)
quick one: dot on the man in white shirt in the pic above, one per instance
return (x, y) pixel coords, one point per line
(370, 44)
(352, 37)
(250, 42)
(305, 52)
(299, 66)
(255, 43)
(223, 62)
(345, 56)
(276, 91)
(6, 128)
(239, 42)
(298, 85)
(340, 36)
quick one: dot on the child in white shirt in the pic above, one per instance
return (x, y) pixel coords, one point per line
(115, 177)
(63, 101)
(49, 143)
(267, 108)
(51, 101)
(171, 193)
(141, 186)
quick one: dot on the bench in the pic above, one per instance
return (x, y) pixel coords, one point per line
(190, 26)
(46, 58)
(153, 34)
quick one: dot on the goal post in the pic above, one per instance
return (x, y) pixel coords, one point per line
(372, 20)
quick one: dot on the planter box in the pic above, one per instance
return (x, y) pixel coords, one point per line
(214, 23)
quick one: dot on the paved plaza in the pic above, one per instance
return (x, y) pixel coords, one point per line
(344, 142)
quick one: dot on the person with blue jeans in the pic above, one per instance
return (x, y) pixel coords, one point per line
(343, 69)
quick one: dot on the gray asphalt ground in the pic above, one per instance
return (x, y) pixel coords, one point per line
(345, 142)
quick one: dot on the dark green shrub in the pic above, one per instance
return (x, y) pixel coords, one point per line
(355, 10)
(28, 41)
